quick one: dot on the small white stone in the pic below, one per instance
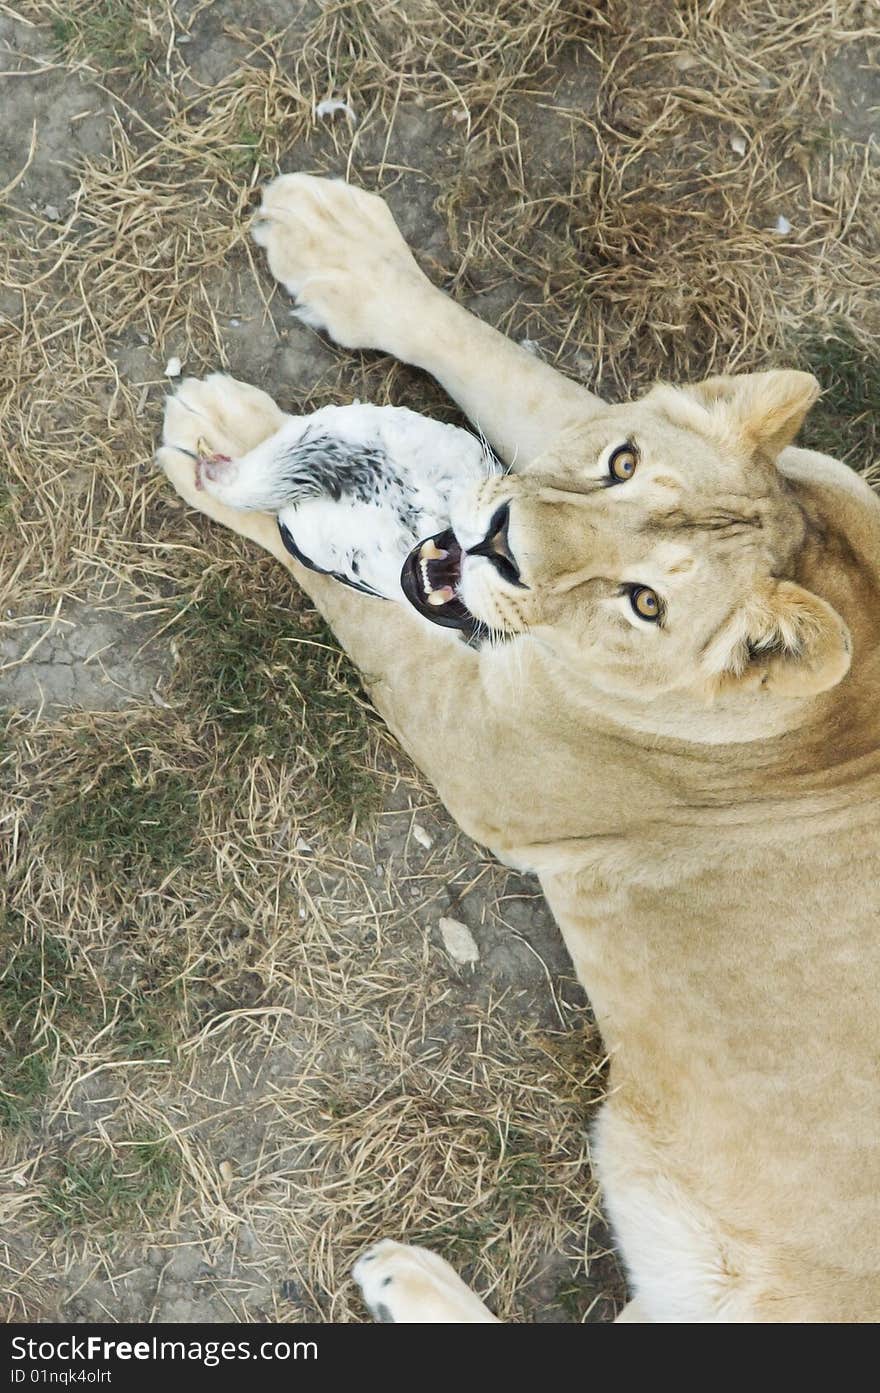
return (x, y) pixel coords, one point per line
(227, 1172)
(458, 941)
(302, 845)
(173, 367)
(737, 144)
(51, 213)
(782, 226)
(422, 837)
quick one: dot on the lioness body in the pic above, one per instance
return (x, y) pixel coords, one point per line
(712, 865)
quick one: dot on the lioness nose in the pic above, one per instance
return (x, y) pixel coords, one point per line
(496, 547)
(495, 541)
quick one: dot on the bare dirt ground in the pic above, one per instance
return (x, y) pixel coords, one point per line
(233, 1049)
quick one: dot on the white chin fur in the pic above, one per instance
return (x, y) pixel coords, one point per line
(475, 590)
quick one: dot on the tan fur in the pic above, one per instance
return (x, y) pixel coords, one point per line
(701, 801)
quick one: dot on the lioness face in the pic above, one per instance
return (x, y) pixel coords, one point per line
(650, 548)
(628, 548)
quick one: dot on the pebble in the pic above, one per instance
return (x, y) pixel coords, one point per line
(458, 941)
(422, 837)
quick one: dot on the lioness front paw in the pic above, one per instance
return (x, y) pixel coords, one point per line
(408, 1285)
(208, 421)
(338, 250)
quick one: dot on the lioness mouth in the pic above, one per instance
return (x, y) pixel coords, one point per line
(430, 578)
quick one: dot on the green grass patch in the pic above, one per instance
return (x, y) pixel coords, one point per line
(105, 1190)
(125, 812)
(47, 1007)
(32, 975)
(461, 1241)
(522, 1185)
(147, 1026)
(845, 421)
(241, 153)
(576, 1296)
(271, 682)
(113, 34)
(64, 31)
(25, 1083)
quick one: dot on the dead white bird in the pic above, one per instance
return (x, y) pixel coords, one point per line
(356, 489)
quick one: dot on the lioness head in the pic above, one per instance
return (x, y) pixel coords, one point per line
(654, 547)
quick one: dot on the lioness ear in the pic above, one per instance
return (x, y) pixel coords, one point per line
(767, 408)
(785, 640)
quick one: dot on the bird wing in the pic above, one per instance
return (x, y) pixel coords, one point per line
(356, 487)
(364, 543)
(289, 541)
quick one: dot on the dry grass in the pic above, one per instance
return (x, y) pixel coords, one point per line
(225, 1023)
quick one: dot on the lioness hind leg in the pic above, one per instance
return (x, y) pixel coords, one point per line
(408, 1285)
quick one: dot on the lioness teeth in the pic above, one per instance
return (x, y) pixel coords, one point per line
(441, 596)
(429, 552)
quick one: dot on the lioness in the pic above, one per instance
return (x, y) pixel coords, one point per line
(679, 736)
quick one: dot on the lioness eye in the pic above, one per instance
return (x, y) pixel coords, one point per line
(622, 463)
(646, 602)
